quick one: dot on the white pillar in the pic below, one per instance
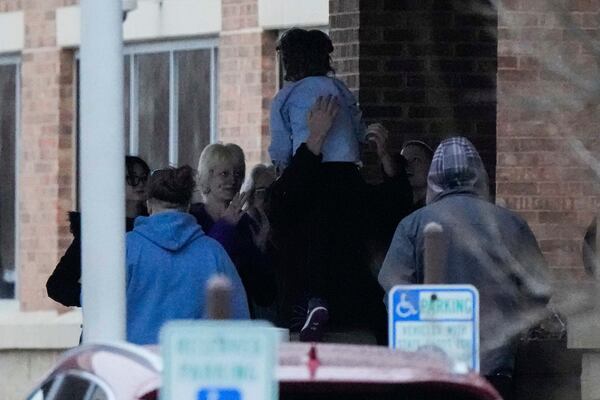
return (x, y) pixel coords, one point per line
(102, 171)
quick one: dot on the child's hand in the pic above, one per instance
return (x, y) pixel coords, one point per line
(320, 118)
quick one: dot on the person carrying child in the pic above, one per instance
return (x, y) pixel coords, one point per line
(320, 206)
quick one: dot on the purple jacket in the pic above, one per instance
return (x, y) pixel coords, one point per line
(252, 265)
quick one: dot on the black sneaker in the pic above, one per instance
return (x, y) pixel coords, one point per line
(316, 320)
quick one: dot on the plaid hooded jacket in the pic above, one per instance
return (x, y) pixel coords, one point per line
(489, 247)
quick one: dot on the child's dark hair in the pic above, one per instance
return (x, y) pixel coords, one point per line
(172, 185)
(132, 161)
(305, 53)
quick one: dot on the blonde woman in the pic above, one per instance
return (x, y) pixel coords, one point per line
(221, 172)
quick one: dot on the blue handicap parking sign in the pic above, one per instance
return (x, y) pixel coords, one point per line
(406, 304)
(219, 394)
(440, 317)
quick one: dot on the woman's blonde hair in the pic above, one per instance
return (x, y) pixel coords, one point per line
(215, 154)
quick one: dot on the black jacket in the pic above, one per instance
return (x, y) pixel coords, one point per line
(324, 216)
(64, 285)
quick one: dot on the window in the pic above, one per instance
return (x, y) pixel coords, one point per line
(9, 101)
(170, 101)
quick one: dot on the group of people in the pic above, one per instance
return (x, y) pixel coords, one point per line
(309, 244)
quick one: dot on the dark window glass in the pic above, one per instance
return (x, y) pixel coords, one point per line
(153, 108)
(8, 88)
(194, 104)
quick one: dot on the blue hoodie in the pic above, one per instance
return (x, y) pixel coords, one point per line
(169, 261)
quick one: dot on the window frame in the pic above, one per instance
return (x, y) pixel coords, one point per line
(170, 47)
(15, 59)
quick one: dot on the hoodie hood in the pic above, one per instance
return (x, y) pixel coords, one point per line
(456, 168)
(171, 230)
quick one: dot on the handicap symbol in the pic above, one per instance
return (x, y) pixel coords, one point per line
(405, 308)
(219, 394)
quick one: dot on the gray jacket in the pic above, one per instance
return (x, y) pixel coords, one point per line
(489, 247)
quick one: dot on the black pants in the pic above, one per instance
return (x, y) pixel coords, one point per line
(336, 256)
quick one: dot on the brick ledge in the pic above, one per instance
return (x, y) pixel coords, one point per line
(38, 330)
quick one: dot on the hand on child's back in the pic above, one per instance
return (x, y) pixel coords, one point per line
(320, 118)
(321, 115)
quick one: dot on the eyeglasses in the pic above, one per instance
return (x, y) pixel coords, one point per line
(135, 180)
(260, 192)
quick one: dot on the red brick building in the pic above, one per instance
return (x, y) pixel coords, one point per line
(517, 77)
(518, 80)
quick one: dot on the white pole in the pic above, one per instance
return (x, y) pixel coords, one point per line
(102, 166)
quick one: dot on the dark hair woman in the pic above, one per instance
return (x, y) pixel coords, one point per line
(170, 259)
(64, 284)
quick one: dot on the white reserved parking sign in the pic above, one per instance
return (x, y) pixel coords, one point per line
(219, 360)
(443, 317)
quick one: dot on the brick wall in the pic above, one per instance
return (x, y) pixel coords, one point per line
(426, 69)
(46, 153)
(344, 26)
(548, 122)
(247, 79)
(10, 5)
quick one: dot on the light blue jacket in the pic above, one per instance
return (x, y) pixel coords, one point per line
(169, 261)
(289, 129)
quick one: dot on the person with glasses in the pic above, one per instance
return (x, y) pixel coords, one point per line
(221, 171)
(64, 285)
(261, 178)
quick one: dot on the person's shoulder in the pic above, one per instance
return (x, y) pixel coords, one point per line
(209, 245)
(506, 212)
(133, 240)
(507, 216)
(312, 87)
(412, 222)
(341, 85)
(284, 93)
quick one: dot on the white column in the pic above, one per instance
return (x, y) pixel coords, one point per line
(102, 166)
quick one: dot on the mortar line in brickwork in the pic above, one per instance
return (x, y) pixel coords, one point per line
(242, 31)
(47, 49)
